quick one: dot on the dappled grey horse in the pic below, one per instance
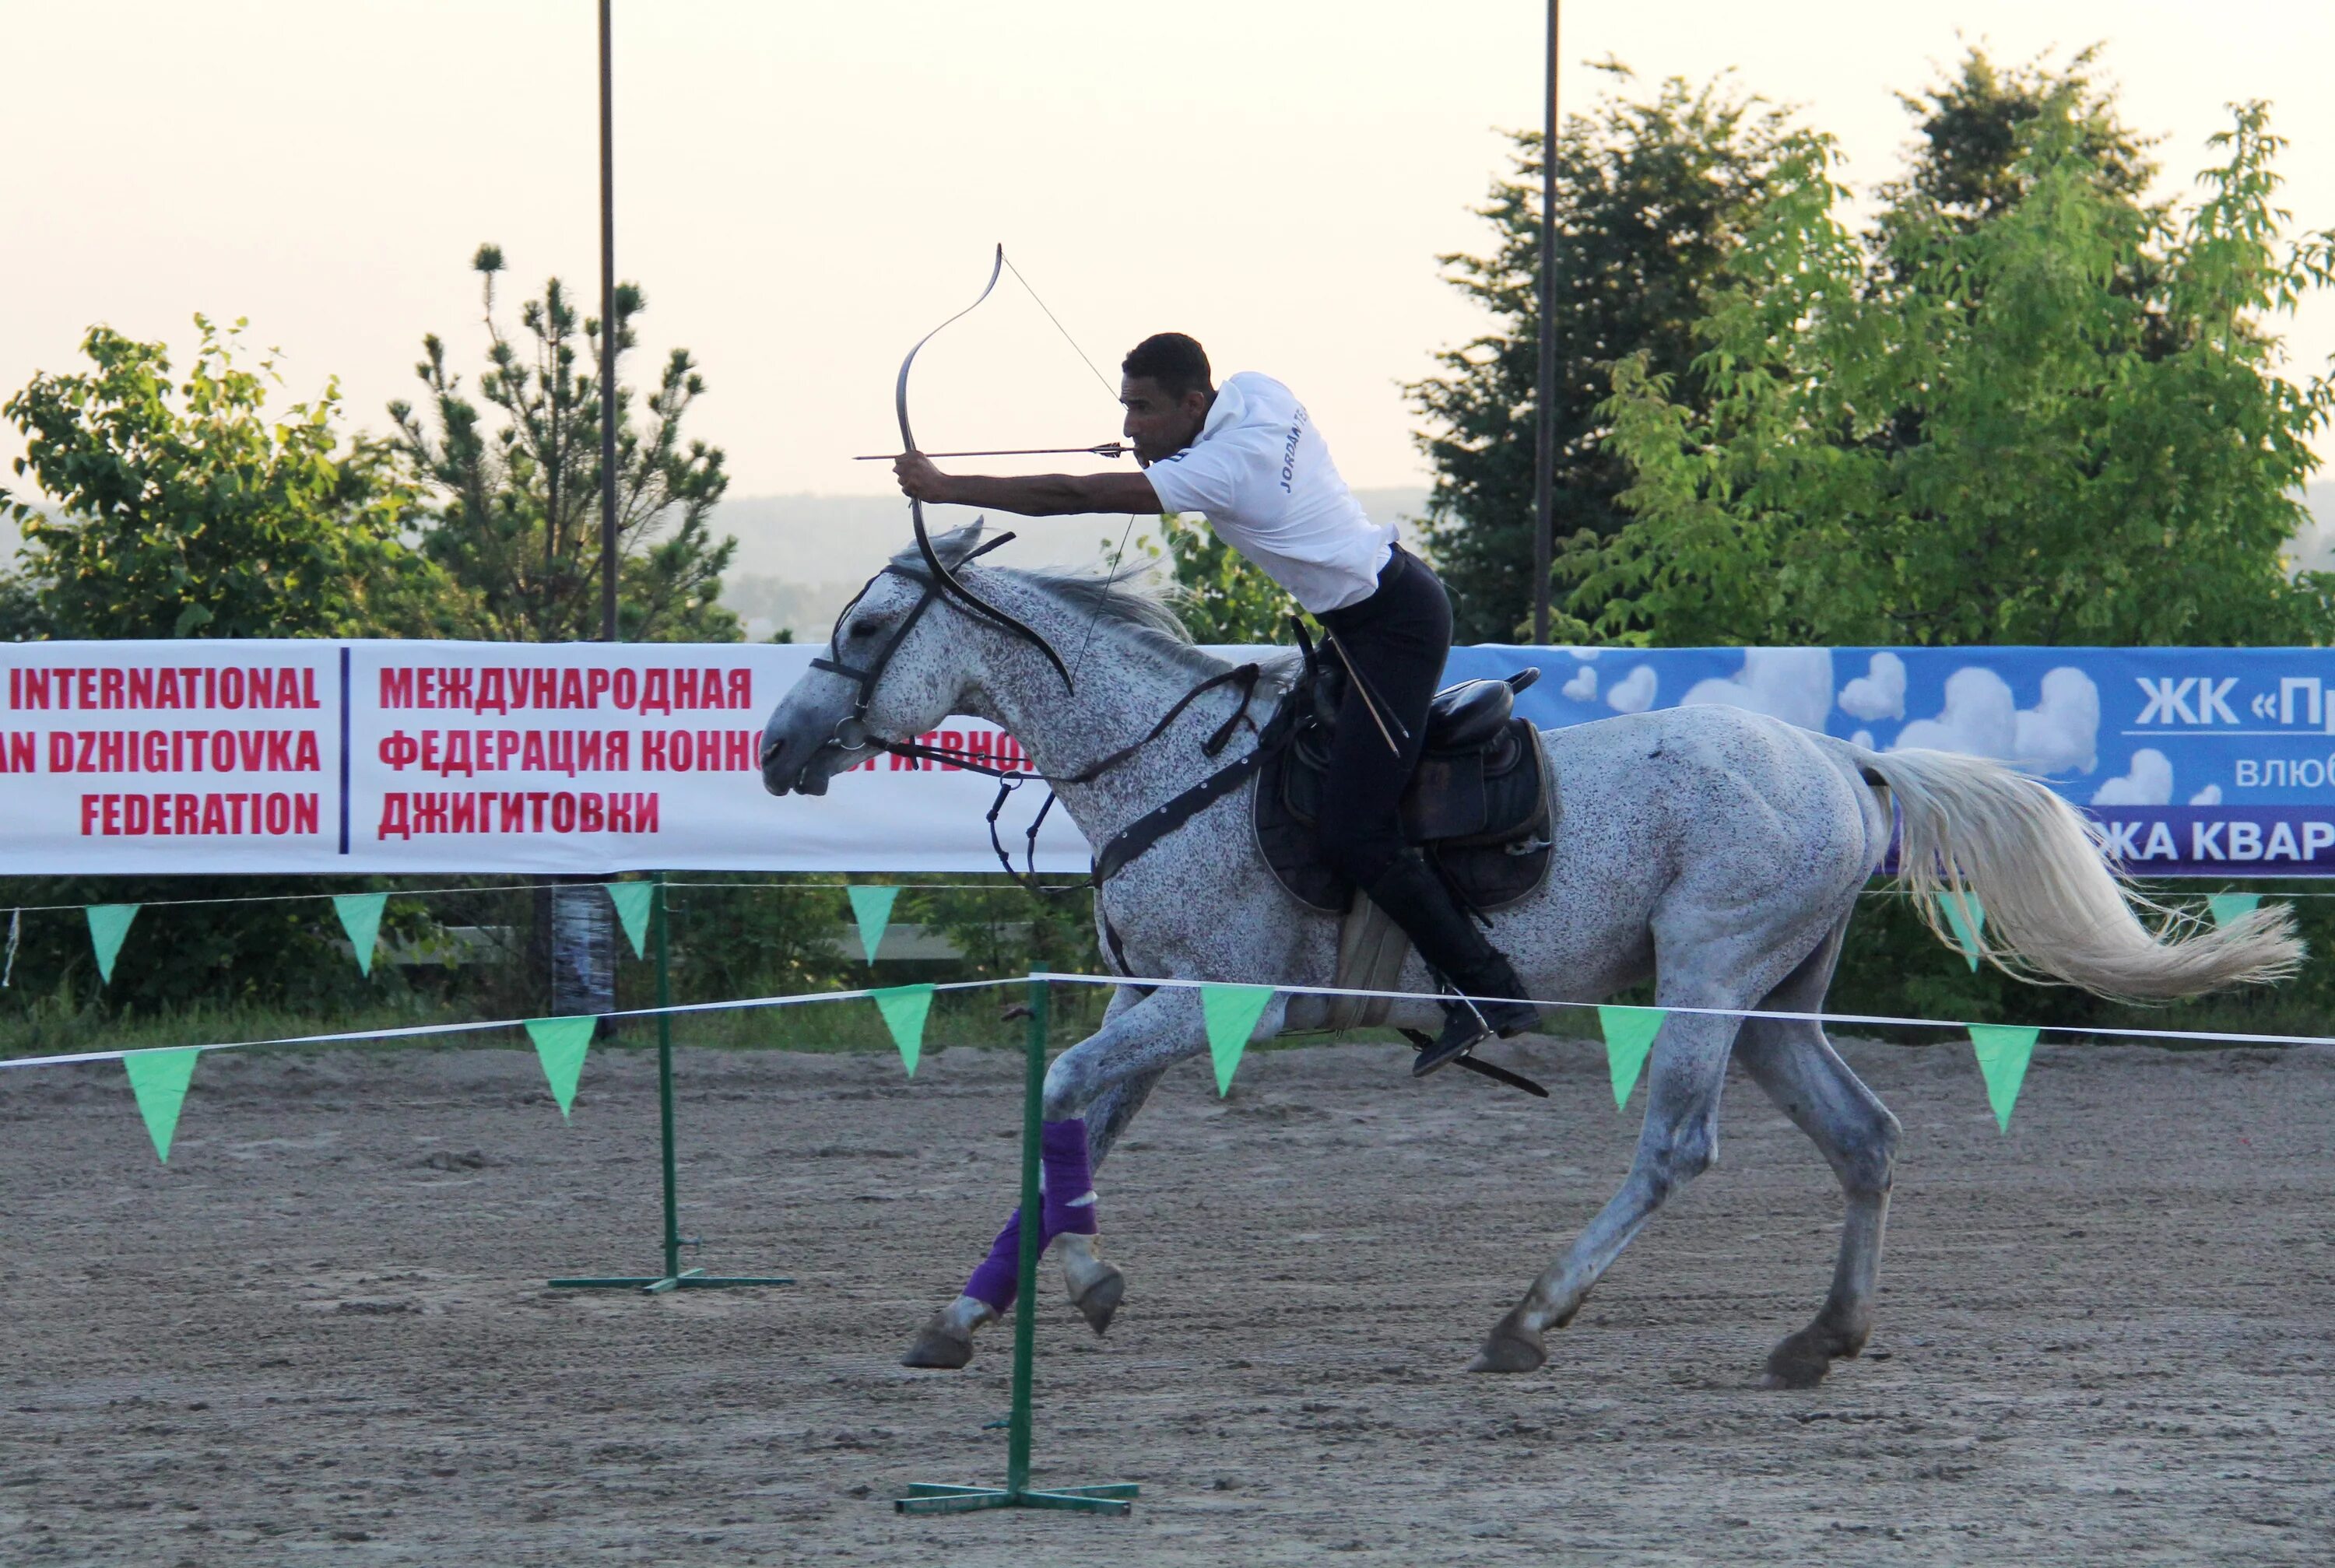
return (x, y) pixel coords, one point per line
(1718, 851)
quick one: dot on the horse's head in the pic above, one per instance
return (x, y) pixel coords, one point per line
(888, 675)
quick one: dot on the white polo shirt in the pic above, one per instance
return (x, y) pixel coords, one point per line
(1262, 474)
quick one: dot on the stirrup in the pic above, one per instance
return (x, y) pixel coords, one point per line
(1464, 1029)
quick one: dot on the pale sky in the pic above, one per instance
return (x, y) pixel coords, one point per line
(804, 189)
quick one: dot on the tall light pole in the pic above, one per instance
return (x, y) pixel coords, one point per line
(582, 942)
(1544, 409)
(608, 338)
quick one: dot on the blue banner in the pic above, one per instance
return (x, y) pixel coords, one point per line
(2194, 761)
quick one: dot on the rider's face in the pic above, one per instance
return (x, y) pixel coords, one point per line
(1160, 425)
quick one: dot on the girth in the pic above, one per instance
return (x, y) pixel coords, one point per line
(1161, 821)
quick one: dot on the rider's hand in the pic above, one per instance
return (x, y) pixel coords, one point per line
(918, 479)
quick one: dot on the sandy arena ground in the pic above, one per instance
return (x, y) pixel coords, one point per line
(321, 1333)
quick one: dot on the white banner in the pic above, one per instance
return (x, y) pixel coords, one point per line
(303, 756)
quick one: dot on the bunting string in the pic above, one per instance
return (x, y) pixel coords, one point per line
(1877, 1021)
(1828, 1019)
(158, 1076)
(483, 1026)
(680, 1008)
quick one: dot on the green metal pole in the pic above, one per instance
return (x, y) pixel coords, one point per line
(665, 1078)
(944, 1497)
(674, 1277)
(1033, 1238)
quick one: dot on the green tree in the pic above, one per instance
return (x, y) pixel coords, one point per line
(1967, 166)
(191, 510)
(514, 512)
(1650, 194)
(2061, 421)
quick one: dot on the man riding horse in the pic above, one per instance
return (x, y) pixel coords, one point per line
(1719, 854)
(1248, 457)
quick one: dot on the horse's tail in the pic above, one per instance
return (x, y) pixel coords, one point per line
(2053, 907)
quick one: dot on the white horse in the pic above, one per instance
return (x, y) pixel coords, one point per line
(1718, 851)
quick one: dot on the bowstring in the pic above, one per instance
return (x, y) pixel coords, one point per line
(1102, 380)
(1119, 556)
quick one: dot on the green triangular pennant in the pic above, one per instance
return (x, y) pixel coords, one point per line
(2003, 1051)
(1966, 918)
(872, 907)
(360, 915)
(903, 1008)
(108, 924)
(560, 1044)
(159, 1080)
(1231, 1013)
(1629, 1035)
(2228, 906)
(633, 900)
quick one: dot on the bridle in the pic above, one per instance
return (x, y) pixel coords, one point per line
(851, 729)
(851, 732)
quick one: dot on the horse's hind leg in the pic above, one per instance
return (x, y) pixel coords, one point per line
(1679, 1141)
(1798, 1069)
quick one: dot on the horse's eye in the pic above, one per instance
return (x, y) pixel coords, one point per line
(865, 626)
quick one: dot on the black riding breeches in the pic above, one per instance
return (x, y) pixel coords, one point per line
(1396, 641)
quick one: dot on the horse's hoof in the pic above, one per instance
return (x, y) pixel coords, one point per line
(942, 1346)
(1098, 1296)
(1799, 1361)
(1510, 1347)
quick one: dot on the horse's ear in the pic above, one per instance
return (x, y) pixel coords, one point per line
(954, 547)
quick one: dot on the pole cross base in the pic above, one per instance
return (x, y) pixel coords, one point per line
(686, 1280)
(675, 1277)
(939, 1497)
(943, 1498)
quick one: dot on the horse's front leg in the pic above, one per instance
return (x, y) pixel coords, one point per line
(1108, 1074)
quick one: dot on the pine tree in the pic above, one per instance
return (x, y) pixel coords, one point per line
(515, 496)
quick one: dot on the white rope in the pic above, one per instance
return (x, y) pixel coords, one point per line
(409, 1032)
(1818, 1018)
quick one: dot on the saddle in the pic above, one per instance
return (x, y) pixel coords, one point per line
(1480, 805)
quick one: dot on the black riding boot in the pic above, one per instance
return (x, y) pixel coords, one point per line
(1448, 938)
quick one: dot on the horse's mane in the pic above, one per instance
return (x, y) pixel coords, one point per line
(1136, 601)
(1133, 596)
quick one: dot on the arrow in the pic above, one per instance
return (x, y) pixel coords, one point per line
(1108, 450)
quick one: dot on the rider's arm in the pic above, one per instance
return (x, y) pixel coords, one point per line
(1028, 496)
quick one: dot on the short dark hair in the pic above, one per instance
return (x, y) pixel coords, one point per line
(1178, 364)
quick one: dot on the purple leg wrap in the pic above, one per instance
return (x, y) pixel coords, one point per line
(999, 1277)
(1063, 1160)
(1063, 1156)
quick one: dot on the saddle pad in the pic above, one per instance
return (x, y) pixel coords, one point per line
(1371, 950)
(1513, 804)
(1289, 846)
